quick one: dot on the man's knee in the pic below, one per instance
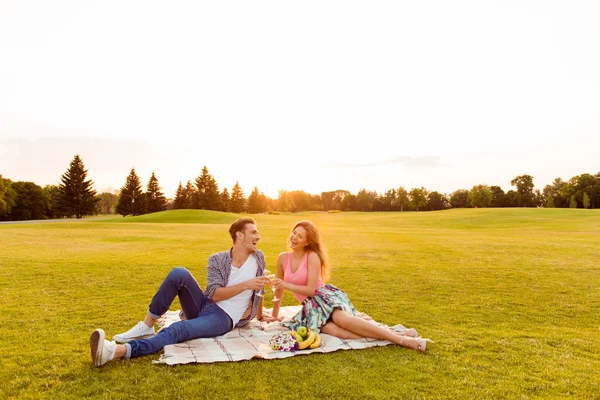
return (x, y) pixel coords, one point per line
(178, 273)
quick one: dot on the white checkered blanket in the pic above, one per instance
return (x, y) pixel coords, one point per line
(252, 341)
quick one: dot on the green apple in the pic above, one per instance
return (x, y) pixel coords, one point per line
(298, 337)
(302, 331)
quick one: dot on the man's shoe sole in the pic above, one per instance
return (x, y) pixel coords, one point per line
(118, 340)
(96, 346)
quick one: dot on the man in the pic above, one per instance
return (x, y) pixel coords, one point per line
(230, 300)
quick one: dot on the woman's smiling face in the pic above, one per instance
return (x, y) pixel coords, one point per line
(298, 238)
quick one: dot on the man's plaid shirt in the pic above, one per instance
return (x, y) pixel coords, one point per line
(218, 270)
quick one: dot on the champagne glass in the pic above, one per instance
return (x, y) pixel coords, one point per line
(271, 276)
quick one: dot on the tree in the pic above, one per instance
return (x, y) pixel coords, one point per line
(554, 194)
(189, 194)
(179, 201)
(257, 202)
(480, 196)
(237, 203)
(573, 202)
(108, 202)
(384, 202)
(365, 199)
(350, 203)
(498, 196)
(29, 203)
(524, 184)
(154, 196)
(436, 201)
(225, 200)
(299, 200)
(283, 202)
(52, 200)
(580, 184)
(459, 198)
(511, 199)
(131, 198)
(207, 191)
(539, 199)
(7, 196)
(401, 199)
(586, 201)
(254, 206)
(333, 200)
(76, 196)
(418, 198)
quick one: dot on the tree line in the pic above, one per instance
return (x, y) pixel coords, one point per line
(75, 197)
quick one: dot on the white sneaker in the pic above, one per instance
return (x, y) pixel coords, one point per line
(140, 331)
(102, 350)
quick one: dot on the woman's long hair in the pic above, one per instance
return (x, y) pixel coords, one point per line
(314, 244)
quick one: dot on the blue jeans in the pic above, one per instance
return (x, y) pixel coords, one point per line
(204, 317)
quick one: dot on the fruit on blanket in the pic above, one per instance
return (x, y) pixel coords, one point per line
(303, 332)
(308, 341)
(316, 343)
(298, 337)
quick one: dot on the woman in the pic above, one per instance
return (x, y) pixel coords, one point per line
(304, 271)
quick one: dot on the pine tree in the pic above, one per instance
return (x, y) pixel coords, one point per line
(179, 200)
(76, 196)
(207, 191)
(154, 196)
(213, 198)
(237, 203)
(131, 198)
(264, 203)
(254, 206)
(190, 194)
(225, 200)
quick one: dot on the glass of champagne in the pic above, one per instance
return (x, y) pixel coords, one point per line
(271, 276)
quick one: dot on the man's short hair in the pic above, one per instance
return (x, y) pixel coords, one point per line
(239, 225)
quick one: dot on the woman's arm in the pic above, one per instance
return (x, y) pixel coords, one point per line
(314, 270)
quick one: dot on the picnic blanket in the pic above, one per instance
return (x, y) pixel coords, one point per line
(252, 341)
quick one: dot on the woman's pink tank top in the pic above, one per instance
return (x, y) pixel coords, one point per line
(300, 277)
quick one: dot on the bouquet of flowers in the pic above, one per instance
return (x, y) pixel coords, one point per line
(284, 341)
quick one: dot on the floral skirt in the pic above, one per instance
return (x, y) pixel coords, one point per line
(317, 310)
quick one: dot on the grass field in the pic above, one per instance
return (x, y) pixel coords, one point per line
(511, 297)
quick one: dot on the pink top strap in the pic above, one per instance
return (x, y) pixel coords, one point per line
(300, 276)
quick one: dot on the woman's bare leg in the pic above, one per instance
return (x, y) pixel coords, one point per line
(332, 329)
(367, 329)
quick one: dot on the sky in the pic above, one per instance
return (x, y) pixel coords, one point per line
(312, 95)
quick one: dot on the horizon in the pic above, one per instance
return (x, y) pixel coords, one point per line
(318, 97)
(144, 183)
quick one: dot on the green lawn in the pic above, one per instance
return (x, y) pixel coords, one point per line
(511, 297)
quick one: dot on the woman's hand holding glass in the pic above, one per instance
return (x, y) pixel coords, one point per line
(272, 278)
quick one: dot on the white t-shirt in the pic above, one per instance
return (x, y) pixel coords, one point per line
(236, 305)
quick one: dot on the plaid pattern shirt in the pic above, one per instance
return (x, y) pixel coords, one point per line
(218, 270)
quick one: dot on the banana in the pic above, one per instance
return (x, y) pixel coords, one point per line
(316, 343)
(309, 340)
